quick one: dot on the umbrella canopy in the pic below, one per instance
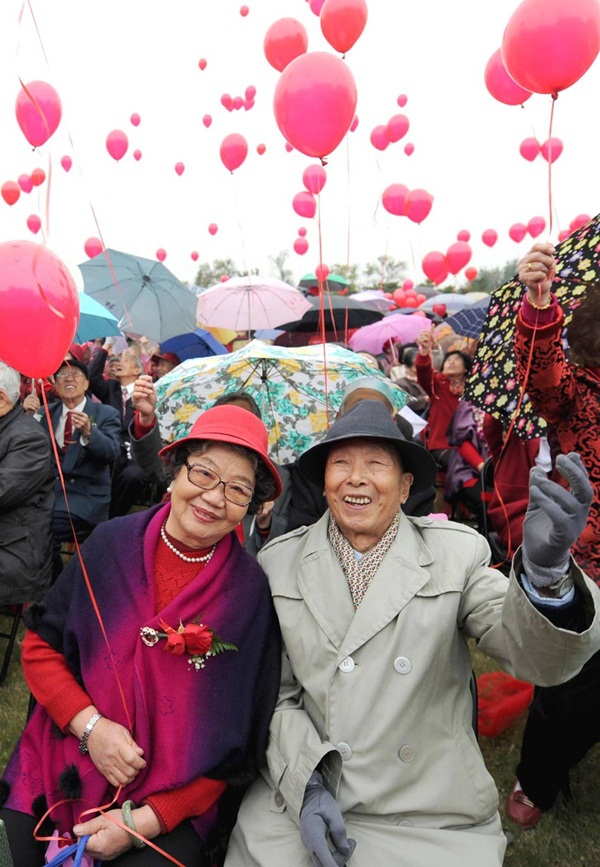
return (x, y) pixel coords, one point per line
(94, 320)
(194, 344)
(403, 329)
(373, 298)
(469, 321)
(298, 391)
(333, 283)
(454, 301)
(250, 303)
(493, 384)
(448, 340)
(339, 312)
(143, 294)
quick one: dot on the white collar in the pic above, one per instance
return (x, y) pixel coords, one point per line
(79, 408)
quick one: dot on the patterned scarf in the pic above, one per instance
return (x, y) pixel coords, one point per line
(360, 573)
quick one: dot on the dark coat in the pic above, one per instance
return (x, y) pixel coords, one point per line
(26, 507)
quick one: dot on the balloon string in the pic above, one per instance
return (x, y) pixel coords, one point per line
(550, 205)
(38, 33)
(348, 186)
(322, 307)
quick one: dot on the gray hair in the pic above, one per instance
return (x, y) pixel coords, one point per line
(138, 361)
(10, 382)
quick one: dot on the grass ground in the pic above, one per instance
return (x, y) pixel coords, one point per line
(567, 835)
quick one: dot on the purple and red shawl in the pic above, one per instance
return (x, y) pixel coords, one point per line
(212, 722)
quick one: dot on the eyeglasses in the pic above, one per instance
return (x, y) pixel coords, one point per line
(235, 492)
(72, 374)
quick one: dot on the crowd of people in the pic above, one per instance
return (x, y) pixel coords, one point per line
(243, 663)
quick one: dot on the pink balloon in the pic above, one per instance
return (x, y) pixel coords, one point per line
(92, 247)
(194, 255)
(233, 151)
(420, 299)
(457, 256)
(10, 191)
(38, 176)
(248, 104)
(25, 182)
(304, 204)
(207, 120)
(579, 221)
(411, 301)
(529, 148)
(399, 297)
(536, 226)
(562, 236)
(250, 92)
(66, 162)
(517, 232)
(244, 11)
(238, 102)
(179, 168)
(402, 100)
(300, 246)
(202, 63)
(397, 127)
(342, 22)
(471, 273)
(463, 235)
(39, 308)
(417, 205)
(408, 284)
(439, 280)
(316, 6)
(227, 101)
(224, 278)
(501, 85)
(260, 149)
(393, 199)
(302, 231)
(39, 110)
(409, 148)
(566, 36)
(135, 119)
(117, 144)
(379, 137)
(161, 254)
(489, 237)
(34, 223)
(137, 155)
(314, 177)
(213, 228)
(354, 123)
(551, 149)
(314, 102)
(285, 40)
(433, 264)
(322, 272)
(288, 147)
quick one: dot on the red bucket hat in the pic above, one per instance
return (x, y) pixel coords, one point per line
(232, 424)
(166, 356)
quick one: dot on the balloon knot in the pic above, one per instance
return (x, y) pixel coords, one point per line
(323, 161)
(555, 95)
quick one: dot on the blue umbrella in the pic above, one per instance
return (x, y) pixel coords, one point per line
(193, 344)
(468, 322)
(94, 320)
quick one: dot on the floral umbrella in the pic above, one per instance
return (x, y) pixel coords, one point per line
(298, 391)
(493, 383)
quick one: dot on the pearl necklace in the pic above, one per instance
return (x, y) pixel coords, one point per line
(171, 547)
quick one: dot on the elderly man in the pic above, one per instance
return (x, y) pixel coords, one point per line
(87, 436)
(26, 498)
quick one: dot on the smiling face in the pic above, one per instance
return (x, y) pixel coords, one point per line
(364, 487)
(71, 385)
(200, 518)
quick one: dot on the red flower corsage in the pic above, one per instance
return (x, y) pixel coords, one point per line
(195, 639)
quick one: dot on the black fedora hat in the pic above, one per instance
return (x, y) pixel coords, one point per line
(370, 419)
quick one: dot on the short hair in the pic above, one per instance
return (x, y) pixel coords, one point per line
(467, 360)
(409, 355)
(264, 486)
(235, 396)
(583, 333)
(10, 382)
(136, 358)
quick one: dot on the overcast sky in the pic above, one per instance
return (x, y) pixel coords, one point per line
(110, 59)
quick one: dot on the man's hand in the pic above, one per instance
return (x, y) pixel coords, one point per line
(82, 422)
(143, 399)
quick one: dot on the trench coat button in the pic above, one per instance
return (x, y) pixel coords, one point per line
(402, 664)
(344, 750)
(406, 823)
(406, 753)
(278, 799)
(426, 520)
(346, 665)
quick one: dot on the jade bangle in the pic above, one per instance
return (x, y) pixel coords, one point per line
(126, 809)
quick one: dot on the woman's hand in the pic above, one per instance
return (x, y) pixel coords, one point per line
(31, 403)
(143, 399)
(108, 840)
(536, 270)
(115, 753)
(425, 343)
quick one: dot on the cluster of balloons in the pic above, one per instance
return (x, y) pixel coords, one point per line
(11, 190)
(234, 103)
(389, 133)
(416, 204)
(534, 227)
(438, 265)
(550, 150)
(233, 151)
(407, 296)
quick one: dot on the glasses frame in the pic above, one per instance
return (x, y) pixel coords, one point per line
(75, 373)
(190, 467)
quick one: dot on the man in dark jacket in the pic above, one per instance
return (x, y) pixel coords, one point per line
(26, 498)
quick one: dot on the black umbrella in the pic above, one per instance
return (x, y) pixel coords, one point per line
(346, 314)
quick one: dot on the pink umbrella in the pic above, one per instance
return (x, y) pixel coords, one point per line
(397, 327)
(250, 303)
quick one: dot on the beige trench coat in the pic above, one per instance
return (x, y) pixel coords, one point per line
(381, 697)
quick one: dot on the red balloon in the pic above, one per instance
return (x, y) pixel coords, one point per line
(237, 102)
(233, 151)
(411, 292)
(288, 147)
(39, 308)
(34, 223)
(316, 6)
(457, 256)
(285, 40)
(227, 101)
(161, 254)
(135, 119)
(137, 155)
(402, 100)
(314, 177)
(224, 278)
(393, 199)
(39, 110)
(399, 297)
(433, 264)
(471, 273)
(440, 309)
(408, 284)
(66, 162)
(11, 192)
(566, 36)
(207, 120)
(397, 127)
(322, 272)
(25, 182)
(202, 63)
(243, 12)
(117, 144)
(438, 281)
(213, 228)
(354, 123)
(517, 232)
(409, 148)
(304, 204)
(314, 103)
(536, 226)
(194, 255)
(342, 22)
(562, 236)
(529, 148)
(93, 246)
(420, 299)
(302, 231)
(501, 85)
(489, 237)
(179, 168)
(411, 301)
(417, 205)
(551, 149)
(260, 149)
(38, 176)
(300, 246)
(379, 137)
(578, 222)
(463, 235)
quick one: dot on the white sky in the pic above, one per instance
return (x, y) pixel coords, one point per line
(112, 58)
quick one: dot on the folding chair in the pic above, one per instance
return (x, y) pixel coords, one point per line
(13, 614)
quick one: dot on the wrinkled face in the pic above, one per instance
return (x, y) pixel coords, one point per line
(364, 486)
(454, 366)
(71, 384)
(127, 364)
(163, 367)
(200, 518)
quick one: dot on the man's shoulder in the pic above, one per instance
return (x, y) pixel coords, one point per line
(102, 411)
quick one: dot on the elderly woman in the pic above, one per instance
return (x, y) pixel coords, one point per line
(372, 742)
(154, 737)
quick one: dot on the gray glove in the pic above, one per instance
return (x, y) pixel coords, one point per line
(554, 520)
(321, 816)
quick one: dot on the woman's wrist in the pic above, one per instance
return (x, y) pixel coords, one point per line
(146, 821)
(539, 300)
